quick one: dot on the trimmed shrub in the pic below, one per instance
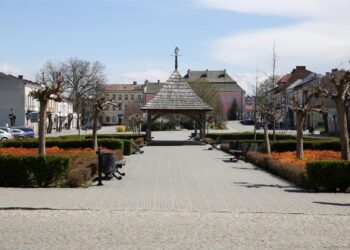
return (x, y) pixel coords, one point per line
(120, 128)
(248, 136)
(283, 146)
(111, 143)
(118, 136)
(24, 170)
(290, 172)
(328, 175)
(127, 149)
(85, 143)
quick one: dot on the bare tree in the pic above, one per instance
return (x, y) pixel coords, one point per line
(338, 86)
(208, 93)
(52, 86)
(136, 122)
(81, 77)
(100, 104)
(302, 104)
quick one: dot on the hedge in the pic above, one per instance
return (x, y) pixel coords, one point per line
(247, 136)
(28, 171)
(127, 147)
(328, 175)
(288, 145)
(85, 143)
(118, 136)
(286, 171)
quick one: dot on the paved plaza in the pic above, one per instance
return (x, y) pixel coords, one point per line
(177, 197)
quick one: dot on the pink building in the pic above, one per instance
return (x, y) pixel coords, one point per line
(227, 88)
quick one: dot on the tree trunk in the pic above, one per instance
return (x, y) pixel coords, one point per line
(255, 125)
(300, 139)
(343, 130)
(94, 129)
(78, 121)
(42, 121)
(325, 120)
(266, 138)
(274, 126)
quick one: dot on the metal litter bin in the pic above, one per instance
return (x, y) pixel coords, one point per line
(108, 164)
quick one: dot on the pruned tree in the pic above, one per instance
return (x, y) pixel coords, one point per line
(99, 104)
(81, 77)
(302, 103)
(337, 84)
(52, 84)
(136, 122)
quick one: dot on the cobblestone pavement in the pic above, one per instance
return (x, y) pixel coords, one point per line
(177, 197)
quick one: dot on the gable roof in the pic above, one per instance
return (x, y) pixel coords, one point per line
(121, 87)
(223, 82)
(176, 94)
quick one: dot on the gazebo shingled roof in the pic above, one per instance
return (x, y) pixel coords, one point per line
(176, 94)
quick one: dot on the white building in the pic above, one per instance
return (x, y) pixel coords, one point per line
(15, 99)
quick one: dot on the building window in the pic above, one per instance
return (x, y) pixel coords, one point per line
(107, 119)
(120, 97)
(126, 97)
(114, 108)
(114, 119)
(139, 97)
(132, 97)
(113, 97)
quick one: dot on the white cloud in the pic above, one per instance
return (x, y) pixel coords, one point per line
(290, 8)
(320, 39)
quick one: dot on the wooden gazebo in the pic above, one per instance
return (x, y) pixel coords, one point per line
(176, 97)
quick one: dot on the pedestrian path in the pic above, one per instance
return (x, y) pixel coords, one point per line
(175, 197)
(187, 178)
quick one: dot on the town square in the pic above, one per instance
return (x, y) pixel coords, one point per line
(175, 124)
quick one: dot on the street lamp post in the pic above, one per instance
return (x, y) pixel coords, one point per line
(12, 117)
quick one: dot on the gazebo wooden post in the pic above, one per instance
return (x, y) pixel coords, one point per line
(149, 125)
(203, 124)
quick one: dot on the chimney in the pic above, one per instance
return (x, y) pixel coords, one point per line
(134, 83)
(334, 70)
(146, 81)
(224, 72)
(158, 82)
(300, 68)
(328, 73)
(20, 77)
(206, 72)
(188, 72)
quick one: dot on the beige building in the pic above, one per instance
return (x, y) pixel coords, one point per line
(130, 98)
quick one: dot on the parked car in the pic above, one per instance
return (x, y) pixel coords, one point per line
(6, 129)
(248, 122)
(5, 135)
(29, 132)
(90, 125)
(18, 134)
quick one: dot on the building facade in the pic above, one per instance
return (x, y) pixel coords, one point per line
(15, 100)
(130, 98)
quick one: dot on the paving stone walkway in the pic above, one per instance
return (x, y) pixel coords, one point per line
(177, 197)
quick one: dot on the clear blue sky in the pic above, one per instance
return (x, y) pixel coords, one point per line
(128, 36)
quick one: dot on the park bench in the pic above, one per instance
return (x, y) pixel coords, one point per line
(240, 154)
(137, 145)
(215, 144)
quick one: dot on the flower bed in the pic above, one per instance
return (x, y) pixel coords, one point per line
(284, 164)
(81, 167)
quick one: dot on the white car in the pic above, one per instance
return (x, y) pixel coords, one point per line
(5, 135)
